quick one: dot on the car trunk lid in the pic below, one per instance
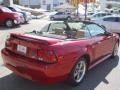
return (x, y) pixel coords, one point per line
(35, 47)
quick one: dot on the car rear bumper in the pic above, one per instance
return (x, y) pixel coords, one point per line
(42, 73)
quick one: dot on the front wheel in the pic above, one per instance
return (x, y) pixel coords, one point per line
(9, 23)
(69, 18)
(52, 18)
(78, 72)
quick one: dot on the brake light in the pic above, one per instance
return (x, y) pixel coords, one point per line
(47, 56)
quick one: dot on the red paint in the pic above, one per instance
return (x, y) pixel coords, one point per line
(59, 56)
(8, 15)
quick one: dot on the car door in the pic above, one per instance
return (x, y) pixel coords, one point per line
(102, 44)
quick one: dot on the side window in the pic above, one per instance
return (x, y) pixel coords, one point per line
(109, 14)
(87, 32)
(79, 30)
(57, 28)
(118, 19)
(96, 15)
(111, 19)
(59, 13)
(103, 14)
(95, 30)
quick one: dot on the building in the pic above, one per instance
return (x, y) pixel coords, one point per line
(30, 3)
(44, 4)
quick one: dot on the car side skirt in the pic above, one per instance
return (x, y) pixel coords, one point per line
(99, 61)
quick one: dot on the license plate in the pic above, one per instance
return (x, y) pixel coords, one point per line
(22, 49)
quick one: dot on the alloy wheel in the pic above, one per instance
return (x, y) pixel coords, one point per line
(9, 23)
(79, 71)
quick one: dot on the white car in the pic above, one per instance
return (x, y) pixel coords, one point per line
(97, 15)
(111, 23)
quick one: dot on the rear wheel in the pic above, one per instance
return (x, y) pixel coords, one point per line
(9, 23)
(115, 50)
(78, 72)
(52, 18)
(69, 18)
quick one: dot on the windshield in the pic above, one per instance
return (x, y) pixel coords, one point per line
(4, 9)
(62, 30)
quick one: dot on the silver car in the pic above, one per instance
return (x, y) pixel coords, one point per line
(62, 16)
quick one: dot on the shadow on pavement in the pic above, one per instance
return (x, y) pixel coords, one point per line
(93, 78)
(5, 28)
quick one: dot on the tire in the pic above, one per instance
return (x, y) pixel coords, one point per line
(9, 23)
(26, 22)
(115, 50)
(69, 18)
(78, 72)
(52, 18)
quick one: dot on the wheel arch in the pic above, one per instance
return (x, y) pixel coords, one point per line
(87, 57)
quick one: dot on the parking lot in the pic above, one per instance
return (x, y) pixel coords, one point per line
(105, 76)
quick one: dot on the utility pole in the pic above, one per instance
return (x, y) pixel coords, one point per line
(85, 3)
(77, 7)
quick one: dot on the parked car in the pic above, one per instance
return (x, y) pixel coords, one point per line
(9, 18)
(111, 23)
(27, 15)
(82, 16)
(62, 16)
(60, 51)
(98, 15)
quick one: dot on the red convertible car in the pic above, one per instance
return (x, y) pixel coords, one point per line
(60, 51)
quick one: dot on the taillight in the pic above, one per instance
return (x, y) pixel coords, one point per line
(9, 45)
(47, 56)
